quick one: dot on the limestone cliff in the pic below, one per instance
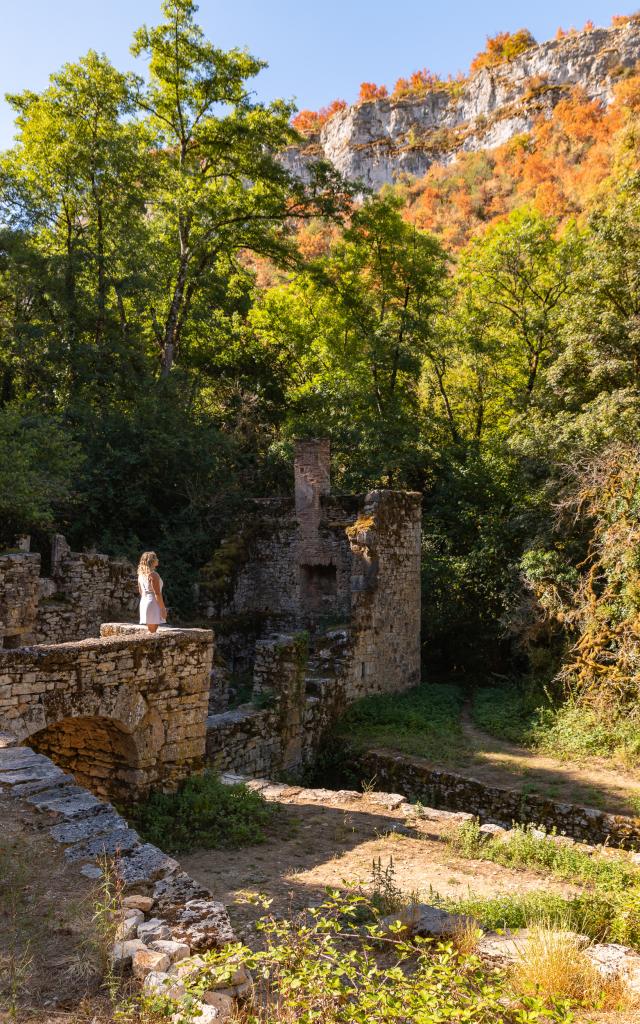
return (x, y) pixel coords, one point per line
(377, 141)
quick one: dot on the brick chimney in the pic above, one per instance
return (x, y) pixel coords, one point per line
(312, 468)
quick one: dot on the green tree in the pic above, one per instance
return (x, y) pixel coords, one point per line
(520, 276)
(38, 461)
(72, 191)
(354, 330)
(220, 188)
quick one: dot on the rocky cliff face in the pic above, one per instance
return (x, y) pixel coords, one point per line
(378, 141)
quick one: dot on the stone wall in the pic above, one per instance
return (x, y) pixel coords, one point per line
(419, 781)
(124, 712)
(19, 597)
(84, 590)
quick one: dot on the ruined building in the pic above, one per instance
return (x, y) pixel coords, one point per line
(83, 590)
(315, 602)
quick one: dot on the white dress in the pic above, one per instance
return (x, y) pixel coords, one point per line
(149, 608)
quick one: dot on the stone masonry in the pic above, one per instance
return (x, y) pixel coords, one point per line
(123, 712)
(84, 589)
(317, 598)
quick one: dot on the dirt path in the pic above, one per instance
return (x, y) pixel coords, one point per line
(592, 782)
(320, 843)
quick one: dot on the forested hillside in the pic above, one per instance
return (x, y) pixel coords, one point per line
(176, 306)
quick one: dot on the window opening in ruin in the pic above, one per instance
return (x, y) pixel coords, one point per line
(319, 587)
(364, 670)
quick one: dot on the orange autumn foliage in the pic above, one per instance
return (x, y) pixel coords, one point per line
(501, 48)
(309, 122)
(561, 167)
(370, 91)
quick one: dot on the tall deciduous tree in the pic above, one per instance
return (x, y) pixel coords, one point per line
(220, 188)
(74, 186)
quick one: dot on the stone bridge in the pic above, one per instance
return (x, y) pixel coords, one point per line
(124, 712)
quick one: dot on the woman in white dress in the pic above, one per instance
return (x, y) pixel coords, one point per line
(152, 607)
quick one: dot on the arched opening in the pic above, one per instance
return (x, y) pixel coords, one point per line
(99, 752)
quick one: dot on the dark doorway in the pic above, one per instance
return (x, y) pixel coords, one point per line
(319, 588)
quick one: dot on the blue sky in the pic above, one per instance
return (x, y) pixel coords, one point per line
(316, 51)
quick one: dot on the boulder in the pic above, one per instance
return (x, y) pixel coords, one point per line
(425, 920)
(147, 960)
(151, 931)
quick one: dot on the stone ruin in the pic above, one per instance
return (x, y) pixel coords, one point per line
(315, 602)
(83, 590)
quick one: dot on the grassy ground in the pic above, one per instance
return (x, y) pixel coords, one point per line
(424, 721)
(506, 736)
(608, 908)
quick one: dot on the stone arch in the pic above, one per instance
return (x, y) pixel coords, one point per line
(100, 752)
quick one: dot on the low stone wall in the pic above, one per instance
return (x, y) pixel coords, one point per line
(419, 781)
(124, 711)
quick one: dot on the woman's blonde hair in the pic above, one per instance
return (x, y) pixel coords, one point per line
(147, 563)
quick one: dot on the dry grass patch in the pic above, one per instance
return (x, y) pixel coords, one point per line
(553, 964)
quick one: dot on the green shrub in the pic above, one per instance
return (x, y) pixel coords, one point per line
(586, 914)
(203, 813)
(326, 967)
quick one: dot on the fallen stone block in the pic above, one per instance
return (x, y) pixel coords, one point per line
(151, 931)
(75, 806)
(159, 983)
(202, 924)
(424, 920)
(122, 840)
(126, 930)
(176, 890)
(38, 774)
(45, 795)
(205, 1015)
(22, 757)
(123, 952)
(132, 914)
(174, 950)
(91, 871)
(141, 903)
(185, 969)
(489, 831)
(389, 800)
(147, 960)
(500, 950)
(82, 828)
(145, 864)
(223, 1003)
(53, 781)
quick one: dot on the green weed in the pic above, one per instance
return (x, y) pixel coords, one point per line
(203, 813)
(609, 909)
